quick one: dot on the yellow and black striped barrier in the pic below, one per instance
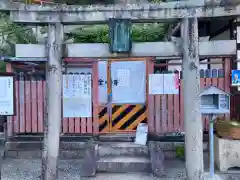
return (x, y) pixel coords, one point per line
(124, 118)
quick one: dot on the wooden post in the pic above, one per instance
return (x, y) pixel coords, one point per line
(54, 99)
(191, 89)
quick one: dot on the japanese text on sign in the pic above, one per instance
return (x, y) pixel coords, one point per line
(6, 96)
(123, 77)
(164, 83)
(77, 96)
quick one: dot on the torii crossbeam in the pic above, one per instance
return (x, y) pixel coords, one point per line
(97, 14)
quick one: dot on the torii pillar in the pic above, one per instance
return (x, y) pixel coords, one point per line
(53, 114)
(191, 90)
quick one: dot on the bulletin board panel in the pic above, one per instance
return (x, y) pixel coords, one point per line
(7, 94)
(124, 117)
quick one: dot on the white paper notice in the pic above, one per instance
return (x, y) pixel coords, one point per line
(77, 96)
(164, 84)
(123, 77)
(170, 85)
(6, 96)
(156, 84)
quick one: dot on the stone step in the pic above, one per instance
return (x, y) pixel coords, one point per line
(132, 149)
(122, 149)
(75, 145)
(38, 145)
(126, 176)
(126, 137)
(171, 146)
(123, 164)
(38, 154)
(73, 150)
(77, 154)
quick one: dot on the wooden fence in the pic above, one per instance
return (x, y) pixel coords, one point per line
(30, 95)
(30, 103)
(168, 109)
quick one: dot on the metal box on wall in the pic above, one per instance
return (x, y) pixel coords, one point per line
(214, 101)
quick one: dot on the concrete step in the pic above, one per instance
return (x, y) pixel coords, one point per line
(38, 154)
(132, 149)
(73, 150)
(123, 164)
(126, 137)
(171, 146)
(78, 154)
(125, 176)
(75, 145)
(38, 145)
(122, 149)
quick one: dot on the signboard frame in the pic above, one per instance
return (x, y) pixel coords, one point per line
(235, 73)
(158, 87)
(64, 98)
(11, 75)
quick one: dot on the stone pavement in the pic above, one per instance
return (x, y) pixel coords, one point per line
(29, 169)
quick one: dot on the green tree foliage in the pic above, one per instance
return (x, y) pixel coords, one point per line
(99, 33)
(11, 34)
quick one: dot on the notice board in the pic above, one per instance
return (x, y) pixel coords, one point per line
(7, 101)
(77, 95)
(164, 83)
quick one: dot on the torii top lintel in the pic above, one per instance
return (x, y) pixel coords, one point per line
(97, 14)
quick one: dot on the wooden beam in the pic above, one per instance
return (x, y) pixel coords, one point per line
(163, 50)
(73, 14)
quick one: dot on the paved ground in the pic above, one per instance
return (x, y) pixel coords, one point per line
(22, 169)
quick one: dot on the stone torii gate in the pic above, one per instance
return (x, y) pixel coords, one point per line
(187, 11)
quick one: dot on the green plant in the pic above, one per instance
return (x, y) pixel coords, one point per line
(11, 34)
(151, 32)
(180, 152)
